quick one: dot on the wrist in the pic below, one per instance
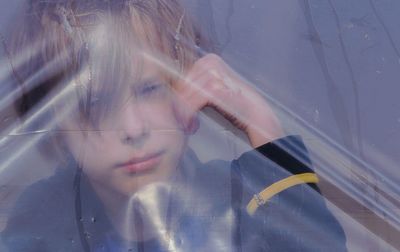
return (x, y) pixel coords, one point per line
(260, 133)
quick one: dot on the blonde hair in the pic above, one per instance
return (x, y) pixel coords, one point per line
(58, 38)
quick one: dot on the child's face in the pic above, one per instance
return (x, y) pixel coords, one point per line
(139, 141)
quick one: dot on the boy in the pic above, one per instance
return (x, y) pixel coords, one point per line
(124, 82)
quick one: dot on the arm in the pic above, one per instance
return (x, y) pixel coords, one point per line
(42, 218)
(212, 83)
(296, 219)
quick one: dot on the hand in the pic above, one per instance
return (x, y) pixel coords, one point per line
(211, 82)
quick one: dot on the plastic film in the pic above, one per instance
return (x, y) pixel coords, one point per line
(190, 125)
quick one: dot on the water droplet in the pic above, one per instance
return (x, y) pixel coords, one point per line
(179, 240)
(6, 119)
(87, 235)
(378, 71)
(316, 116)
(93, 219)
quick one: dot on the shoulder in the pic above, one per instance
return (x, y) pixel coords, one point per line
(45, 193)
(200, 173)
(43, 210)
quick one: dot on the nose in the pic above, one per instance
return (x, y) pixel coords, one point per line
(134, 128)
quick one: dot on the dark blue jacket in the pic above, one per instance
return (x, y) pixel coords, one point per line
(62, 213)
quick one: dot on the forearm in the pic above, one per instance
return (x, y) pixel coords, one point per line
(296, 218)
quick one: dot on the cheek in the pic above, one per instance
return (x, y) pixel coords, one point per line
(165, 115)
(85, 148)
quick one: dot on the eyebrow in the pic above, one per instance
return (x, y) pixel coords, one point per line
(104, 93)
(149, 80)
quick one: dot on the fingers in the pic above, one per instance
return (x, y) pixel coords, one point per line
(208, 76)
(207, 64)
(196, 95)
(211, 65)
(254, 117)
(210, 82)
(205, 90)
(209, 89)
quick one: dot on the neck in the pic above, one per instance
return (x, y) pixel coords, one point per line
(126, 221)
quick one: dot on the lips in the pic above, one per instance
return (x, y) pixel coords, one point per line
(142, 163)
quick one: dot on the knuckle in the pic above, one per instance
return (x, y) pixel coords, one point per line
(213, 85)
(213, 57)
(211, 60)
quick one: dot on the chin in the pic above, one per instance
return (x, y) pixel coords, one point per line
(141, 183)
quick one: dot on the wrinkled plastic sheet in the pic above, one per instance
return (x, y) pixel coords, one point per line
(326, 69)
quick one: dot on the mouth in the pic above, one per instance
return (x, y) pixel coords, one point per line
(142, 163)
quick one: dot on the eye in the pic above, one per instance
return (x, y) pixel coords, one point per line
(94, 100)
(148, 89)
(99, 101)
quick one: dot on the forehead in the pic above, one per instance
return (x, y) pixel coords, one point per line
(118, 57)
